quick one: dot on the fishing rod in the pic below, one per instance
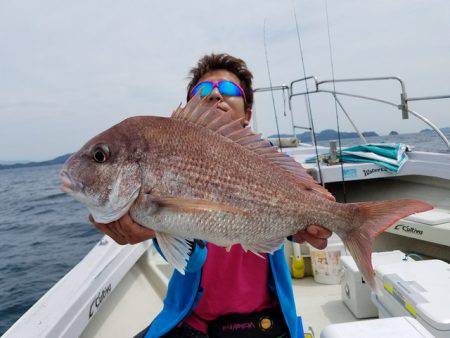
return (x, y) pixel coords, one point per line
(270, 84)
(344, 191)
(307, 98)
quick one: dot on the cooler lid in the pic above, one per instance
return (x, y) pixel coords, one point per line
(431, 217)
(421, 287)
(376, 328)
(377, 259)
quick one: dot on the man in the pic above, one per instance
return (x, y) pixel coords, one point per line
(224, 293)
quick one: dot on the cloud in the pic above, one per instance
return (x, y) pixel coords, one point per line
(71, 69)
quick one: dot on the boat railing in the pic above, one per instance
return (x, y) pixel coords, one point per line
(402, 105)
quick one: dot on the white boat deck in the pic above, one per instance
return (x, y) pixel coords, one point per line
(320, 304)
(138, 298)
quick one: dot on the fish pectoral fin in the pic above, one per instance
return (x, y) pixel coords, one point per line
(175, 250)
(195, 205)
(266, 247)
(147, 202)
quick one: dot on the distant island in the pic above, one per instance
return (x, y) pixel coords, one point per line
(393, 132)
(58, 160)
(444, 130)
(327, 134)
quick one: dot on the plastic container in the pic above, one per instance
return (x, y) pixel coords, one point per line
(399, 327)
(326, 264)
(355, 292)
(418, 289)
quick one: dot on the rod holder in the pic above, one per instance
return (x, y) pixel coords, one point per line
(404, 106)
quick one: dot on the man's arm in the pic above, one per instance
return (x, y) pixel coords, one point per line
(124, 230)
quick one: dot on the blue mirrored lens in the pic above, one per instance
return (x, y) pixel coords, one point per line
(229, 88)
(205, 88)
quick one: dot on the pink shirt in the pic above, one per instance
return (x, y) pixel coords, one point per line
(233, 282)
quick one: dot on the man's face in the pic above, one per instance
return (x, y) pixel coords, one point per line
(232, 105)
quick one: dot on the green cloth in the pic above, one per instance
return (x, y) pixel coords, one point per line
(391, 156)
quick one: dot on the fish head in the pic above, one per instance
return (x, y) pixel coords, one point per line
(105, 174)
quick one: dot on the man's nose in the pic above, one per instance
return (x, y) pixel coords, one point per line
(215, 95)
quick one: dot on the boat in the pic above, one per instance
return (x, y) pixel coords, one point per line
(115, 291)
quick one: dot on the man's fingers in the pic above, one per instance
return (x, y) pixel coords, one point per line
(124, 230)
(107, 231)
(314, 239)
(298, 237)
(134, 232)
(318, 231)
(126, 220)
(102, 227)
(319, 243)
(143, 233)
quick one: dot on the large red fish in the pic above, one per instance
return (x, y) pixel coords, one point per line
(199, 175)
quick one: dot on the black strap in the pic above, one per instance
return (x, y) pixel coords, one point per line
(268, 323)
(185, 331)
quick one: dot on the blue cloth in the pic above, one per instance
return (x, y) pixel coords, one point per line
(391, 156)
(184, 293)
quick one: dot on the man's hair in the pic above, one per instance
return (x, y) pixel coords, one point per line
(227, 62)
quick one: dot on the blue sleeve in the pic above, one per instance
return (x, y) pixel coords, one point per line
(197, 257)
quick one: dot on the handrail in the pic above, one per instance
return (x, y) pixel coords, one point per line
(303, 79)
(436, 97)
(414, 113)
(403, 106)
(361, 136)
(403, 97)
(271, 89)
(364, 79)
(267, 89)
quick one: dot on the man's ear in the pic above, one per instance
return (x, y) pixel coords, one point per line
(248, 116)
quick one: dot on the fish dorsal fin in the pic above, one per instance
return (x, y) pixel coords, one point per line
(202, 112)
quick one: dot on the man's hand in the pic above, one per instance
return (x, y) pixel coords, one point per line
(124, 230)
(315, 235)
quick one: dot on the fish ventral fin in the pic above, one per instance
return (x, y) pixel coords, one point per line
(202, 112)
(175, 249)
(265, 247)
(370, 219)
(195, 205)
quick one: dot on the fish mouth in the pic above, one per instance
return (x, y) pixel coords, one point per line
(67, 185)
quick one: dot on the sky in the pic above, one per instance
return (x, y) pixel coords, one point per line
(71, 69)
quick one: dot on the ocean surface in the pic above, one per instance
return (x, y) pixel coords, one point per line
(44, 233)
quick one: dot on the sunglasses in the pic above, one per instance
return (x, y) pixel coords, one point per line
(228, 88)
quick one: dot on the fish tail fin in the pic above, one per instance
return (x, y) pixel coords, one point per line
(370, 219)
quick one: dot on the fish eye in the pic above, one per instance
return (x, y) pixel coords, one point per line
(100, 153)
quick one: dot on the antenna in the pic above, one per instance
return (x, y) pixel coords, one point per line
(335, 102)
(307, 99)
(270, 84)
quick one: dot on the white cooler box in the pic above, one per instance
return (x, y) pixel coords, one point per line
(399, 327)
(419, 289)
(355, 292)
